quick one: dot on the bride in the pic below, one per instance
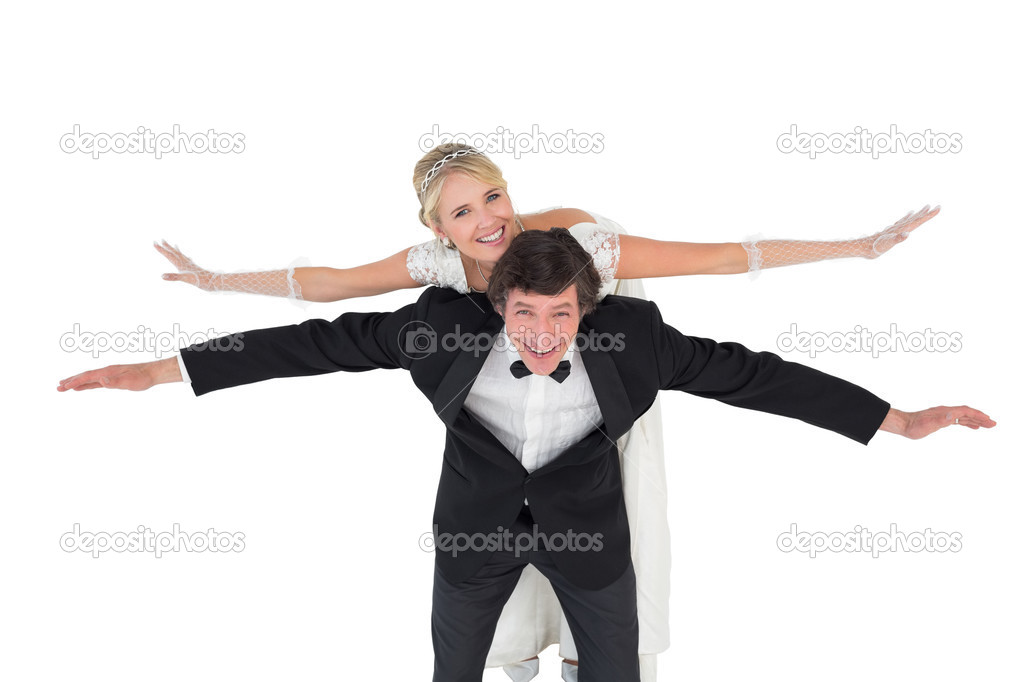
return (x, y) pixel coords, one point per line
(465, 203)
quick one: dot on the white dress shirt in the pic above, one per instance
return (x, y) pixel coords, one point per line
(535, 417)
(184, 372)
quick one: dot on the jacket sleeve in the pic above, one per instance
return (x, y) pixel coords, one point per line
(354, 342)
(737, 376)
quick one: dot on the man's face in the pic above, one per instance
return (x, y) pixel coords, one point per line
(542, 327)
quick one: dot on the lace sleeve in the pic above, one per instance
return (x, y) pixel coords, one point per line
(612, 253)
(775, 253)
(431, 263)
(602, 245)
(420, 263)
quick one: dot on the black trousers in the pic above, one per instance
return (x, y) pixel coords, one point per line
(603, 622)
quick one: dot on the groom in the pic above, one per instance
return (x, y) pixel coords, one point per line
(535, 387)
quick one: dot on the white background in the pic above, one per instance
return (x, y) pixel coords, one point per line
(332, 478)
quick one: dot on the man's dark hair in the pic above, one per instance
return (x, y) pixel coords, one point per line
(545, 263)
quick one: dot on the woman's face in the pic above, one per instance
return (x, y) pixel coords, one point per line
(478, 219)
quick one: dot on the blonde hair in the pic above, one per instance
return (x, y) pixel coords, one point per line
(476, 166)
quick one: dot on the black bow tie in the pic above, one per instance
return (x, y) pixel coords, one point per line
(519, 370)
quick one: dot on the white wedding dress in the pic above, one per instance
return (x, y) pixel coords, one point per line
(532, 619)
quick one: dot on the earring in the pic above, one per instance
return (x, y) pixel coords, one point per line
(446, 241)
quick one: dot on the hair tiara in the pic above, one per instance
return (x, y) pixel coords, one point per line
(432, 173)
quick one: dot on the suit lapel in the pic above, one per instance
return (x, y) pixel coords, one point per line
(454, 387)
(615, 407)
(607, 386)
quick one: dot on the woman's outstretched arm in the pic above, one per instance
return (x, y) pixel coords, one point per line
(308, 284)
(641, 257)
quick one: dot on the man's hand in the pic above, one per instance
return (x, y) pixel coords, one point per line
(919, 424)
(128, 377)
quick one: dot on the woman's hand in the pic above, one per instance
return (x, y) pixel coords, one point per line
(899, 232)
(188, 271)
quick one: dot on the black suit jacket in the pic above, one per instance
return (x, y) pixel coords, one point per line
(482, 484)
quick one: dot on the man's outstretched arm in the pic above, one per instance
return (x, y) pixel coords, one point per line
(733, 374)
(354, 342)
